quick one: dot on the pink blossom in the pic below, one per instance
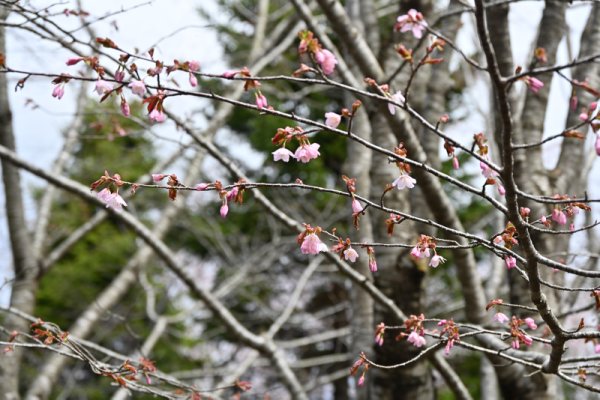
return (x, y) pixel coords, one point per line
(597, 145)
(125, 108)
(307, 152)
(112, 200)
(455, 163)
(525, 211)
(418, 253)
(510, 262)
(411, 21)
(326, 60)
(194, 65)
(201, 186)
(436, 260)
(515, 344)
(158, 177)
(193, 80)
(312, 245)
(404, 181)
(416, 339)
(530, 323)
(58, 91)
(232, 194)
(449, 346)
(282, 154)
(501, 189)
(373, 264)
(229, 74)
(486, 170)
(356, 206)
(261, 101)
(73, 61)
(138, 87)
(119, 76)
(397, 98)
(332, 119)
(559, 217)
(500, 317)
(350, 254)
(534, 84)
(583, 116)
(527, 340)
(157, 116)
(103, 87)
(224, 210)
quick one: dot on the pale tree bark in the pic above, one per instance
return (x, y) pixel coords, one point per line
(25, 269)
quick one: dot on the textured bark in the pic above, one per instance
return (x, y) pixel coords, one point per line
(24, 284)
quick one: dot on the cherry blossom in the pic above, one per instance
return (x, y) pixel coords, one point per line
(103, 87)
(412, 21)
(58, 91)
(500, 317)
(332, 119)
(224, 210)
(455, 163)
(404, 181)
(350, 254)
(326, 60)
(282, 154)
(356, 206)
(261, 101)
(397, 97)
(307, 152)
(559, 217)
(157, 116)
(436, 260)
(193, 80)
(194, 65)
(312, 245)
(418, 252)
(530, 323)
(138, 87)
(510, 262)
(534, 84)
(112, 200)
(416, 339)
(125, 108)
(361, 380)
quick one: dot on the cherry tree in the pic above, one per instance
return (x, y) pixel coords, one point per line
(421, 219)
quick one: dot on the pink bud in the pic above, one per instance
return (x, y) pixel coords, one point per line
(501, 190)
(583, 116)
(373, 265)
(229, 74)
(73, 61)
(455, 163)
(361, 380)
(224, 210)
(525, 211)
(193, 80)
(201, 186)
(58, 91)
(119, 76)
(158, 177)
(125, 108)
(261, 101)
(510, 262)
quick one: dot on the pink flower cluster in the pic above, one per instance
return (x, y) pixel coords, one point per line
(304, 153)
(326, 60)
(412, 21)
(112, 200)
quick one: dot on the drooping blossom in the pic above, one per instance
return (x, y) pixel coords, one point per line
(397, 97)
(232, 194)
(412, 21)
(416, 339)
(418, 252)
(103, 87)
(534, 84)
(356, 206)
(193, 80)
(510, 262)
(530, 323)
(500, 317)
(58, 91)
(125, 109)
(350, 254)
(312, 245)
(282, 154)
(326, 60)
(373, 265)
(436, 260)
(261, 101)
(157, 115)
(137, 87)
(119, 76)
(332, 119)
(307, 152)
(112, 200)
(404, 181)
(361, 380)
(455, 163)
(559, 217)
(224, 210)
